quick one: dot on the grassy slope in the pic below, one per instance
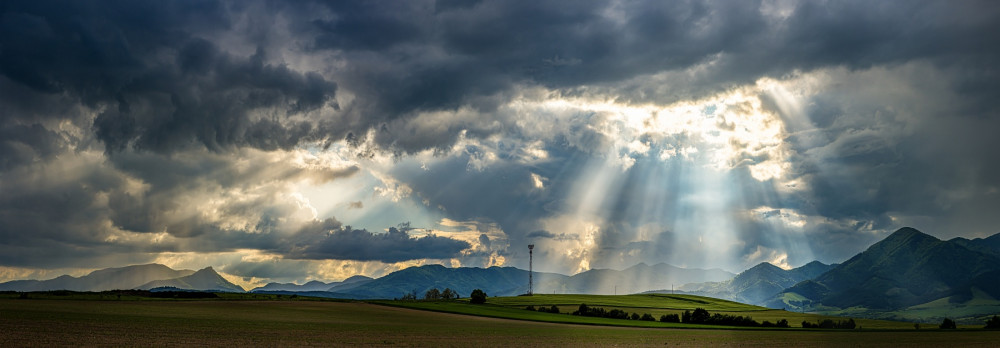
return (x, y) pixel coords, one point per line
(654, 304)
(38, 322)
(973, 313)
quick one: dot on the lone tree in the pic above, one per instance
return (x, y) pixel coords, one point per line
(947, 324)
(448, 294)
(477, 297)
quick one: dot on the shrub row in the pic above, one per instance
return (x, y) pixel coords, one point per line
(830, 324)
(699, 316)
(543, 309)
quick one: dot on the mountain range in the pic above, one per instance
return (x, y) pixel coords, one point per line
(905, 269)
(129, 277)
(757, 284)
(908, 275)
(316, 285)
(205, 279)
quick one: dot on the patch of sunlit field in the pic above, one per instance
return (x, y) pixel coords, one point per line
(659, 301)
(39, 322)
(653, 304)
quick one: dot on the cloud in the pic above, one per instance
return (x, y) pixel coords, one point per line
(610, 132)
(326, 240)
(160, 84)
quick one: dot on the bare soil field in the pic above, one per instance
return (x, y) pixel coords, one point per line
(307, 323)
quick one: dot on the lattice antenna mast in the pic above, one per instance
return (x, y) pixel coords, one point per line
(531, 248)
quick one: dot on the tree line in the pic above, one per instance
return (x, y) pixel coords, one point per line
(699, 316)
(830, 324)
(948, 324)
(477, 296)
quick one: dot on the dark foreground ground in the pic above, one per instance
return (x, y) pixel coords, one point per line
(299, 323)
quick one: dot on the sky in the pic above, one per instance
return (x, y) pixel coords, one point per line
(314, 140)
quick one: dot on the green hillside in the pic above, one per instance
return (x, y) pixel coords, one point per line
(907, 268)
(653, 304)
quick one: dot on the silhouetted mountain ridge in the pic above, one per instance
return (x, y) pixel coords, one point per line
(205, 279)
(759, 283)
(128, 277)
(906, 268)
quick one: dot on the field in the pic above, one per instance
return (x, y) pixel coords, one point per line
(654, 304)
(42, 322)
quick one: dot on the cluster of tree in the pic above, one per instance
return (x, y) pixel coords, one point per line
(699, 316)
(477, 297)
(598, 312)
(993, 323)
(543, 309)
(830, 324)
(435, 294)
(780, 323)
(670, 318)
(702, 316)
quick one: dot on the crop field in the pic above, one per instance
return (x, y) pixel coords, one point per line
(654, 304)
(47, 322)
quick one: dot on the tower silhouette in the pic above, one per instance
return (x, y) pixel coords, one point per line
(531, 248)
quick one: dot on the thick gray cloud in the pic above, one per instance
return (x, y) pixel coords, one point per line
(160, 83)
(124, 121)
(326, 240)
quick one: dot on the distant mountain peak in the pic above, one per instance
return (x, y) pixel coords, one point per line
(767, 265)
(355, 278)
(907, 233)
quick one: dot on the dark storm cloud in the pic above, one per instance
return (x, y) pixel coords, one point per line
(327, 240)
(163, 86)
(441, 57)
(170, 89)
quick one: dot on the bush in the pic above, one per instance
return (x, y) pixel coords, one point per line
(670, 318)
(554, 309)
(947, 324)
(530, 308)
(477, 297)
(782, 323)
(647, 317)
(993, 323)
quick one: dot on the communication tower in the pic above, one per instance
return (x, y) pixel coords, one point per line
(531, 248)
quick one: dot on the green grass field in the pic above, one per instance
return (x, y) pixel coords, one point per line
(654, 304)
(74, 322)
